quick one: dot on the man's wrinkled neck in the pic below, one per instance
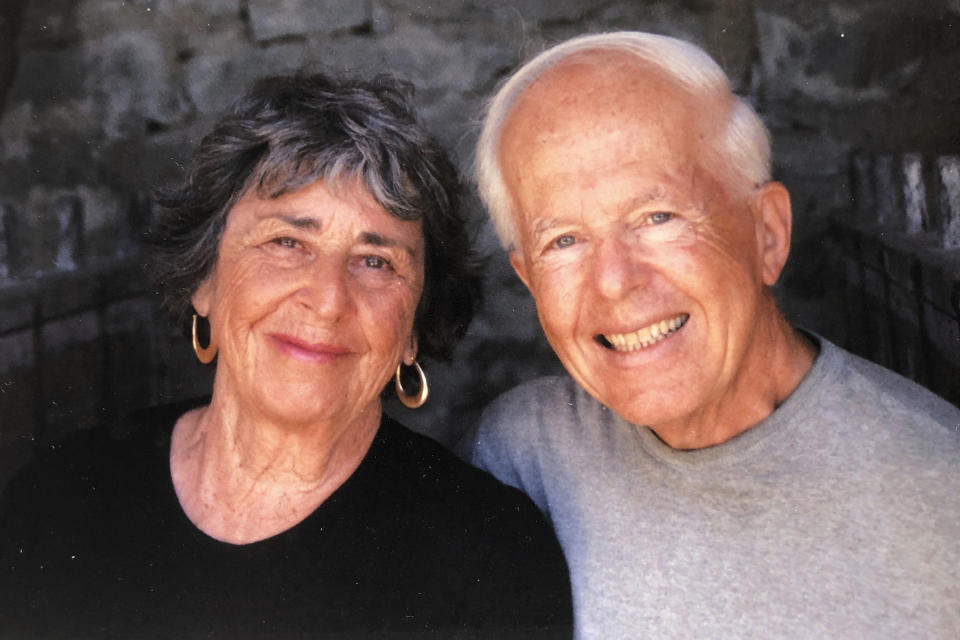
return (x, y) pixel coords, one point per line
(773, 367)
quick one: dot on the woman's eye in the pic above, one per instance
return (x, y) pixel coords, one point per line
(564, 241)
(375, 262)
(286, 243)
(660, 217)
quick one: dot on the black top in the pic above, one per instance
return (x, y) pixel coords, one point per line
(94, 543)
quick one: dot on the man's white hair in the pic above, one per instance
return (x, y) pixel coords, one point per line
(745, 144)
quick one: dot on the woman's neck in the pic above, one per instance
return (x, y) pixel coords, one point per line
(242, 477)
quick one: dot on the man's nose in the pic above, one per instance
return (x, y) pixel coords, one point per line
(617, 268)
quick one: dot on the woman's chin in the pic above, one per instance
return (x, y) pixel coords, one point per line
(300, 408)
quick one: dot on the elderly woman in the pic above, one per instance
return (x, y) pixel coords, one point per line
(318, 238)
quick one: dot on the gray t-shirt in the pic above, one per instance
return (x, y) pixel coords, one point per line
(836, 517)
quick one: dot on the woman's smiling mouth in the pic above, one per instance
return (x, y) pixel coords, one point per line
(310, 352)
(643, 337)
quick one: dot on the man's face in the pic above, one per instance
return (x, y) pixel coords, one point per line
(646, 271)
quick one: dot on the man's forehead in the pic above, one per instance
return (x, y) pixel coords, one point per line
(593, 76)
(597, 94)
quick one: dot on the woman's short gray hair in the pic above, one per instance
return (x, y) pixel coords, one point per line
(290, 131)
(745, 143)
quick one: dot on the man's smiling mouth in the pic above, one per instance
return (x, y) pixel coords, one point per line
(645, 336)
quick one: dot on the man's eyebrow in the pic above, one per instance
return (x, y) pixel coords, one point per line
(657, 193)
(377, 240)
(542, 225)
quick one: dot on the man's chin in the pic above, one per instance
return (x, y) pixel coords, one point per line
(640, 406)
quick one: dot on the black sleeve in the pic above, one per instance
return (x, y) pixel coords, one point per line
(524, 580)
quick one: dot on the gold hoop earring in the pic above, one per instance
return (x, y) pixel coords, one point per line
(204, 355)
(409, 401)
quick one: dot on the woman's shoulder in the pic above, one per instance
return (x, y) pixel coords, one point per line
(415, 473)
(433, 468)
(484, 532)
(92, 465)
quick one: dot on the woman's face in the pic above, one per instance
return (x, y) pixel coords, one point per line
(311, 303)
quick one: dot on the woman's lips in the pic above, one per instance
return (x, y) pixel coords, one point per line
(307, 351)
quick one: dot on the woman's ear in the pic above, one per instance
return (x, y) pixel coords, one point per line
(771, 204)
(201, 298)
(410, 351)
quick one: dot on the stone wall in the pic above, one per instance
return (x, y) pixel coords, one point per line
(104, 99)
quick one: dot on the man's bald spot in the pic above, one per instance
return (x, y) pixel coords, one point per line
(609, 80)
(602, 89)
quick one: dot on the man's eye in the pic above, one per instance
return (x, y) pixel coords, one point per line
(564, 241)
(660, 217)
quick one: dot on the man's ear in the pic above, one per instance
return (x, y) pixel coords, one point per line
(519, 265)
(201, 297)
(774, 225)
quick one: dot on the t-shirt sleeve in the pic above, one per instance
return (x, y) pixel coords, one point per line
(504, 443)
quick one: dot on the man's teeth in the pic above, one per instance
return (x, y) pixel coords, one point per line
(647, 335)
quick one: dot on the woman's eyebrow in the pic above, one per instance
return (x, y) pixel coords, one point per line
(378, 240)
(300, 222)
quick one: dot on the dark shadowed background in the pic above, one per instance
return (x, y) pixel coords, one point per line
(101, 100)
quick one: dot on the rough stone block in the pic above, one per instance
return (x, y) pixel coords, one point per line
(7, 246)
(13, 456)
(182, 24)
(72, 370)
(124, 279)
(877, 326)
(270, 20)
(426, 57)
(65, 294)
(852, 296)
(66, 233)
(938, 287)
(832, 58)
(49, 22)
(887, 192)
(943, 352)
(904, 312)
(948, 174)
(846, 238)
(914, 194)
(216, 80)
(130, 80)
(18, 305)
(808, 154)
(17, 387)
(902, 267)
(49, 78)
(863, 188)
(537, 11)
(180, 376)
(130, 380)
(871, 250)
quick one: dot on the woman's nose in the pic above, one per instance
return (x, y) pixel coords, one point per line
(326, 290)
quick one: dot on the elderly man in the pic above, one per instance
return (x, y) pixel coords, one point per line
(711, 471)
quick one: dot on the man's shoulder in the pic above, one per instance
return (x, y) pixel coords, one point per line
(535, 430)
(869, 381)
(907, 394)
(870, 389)
(543, 402)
